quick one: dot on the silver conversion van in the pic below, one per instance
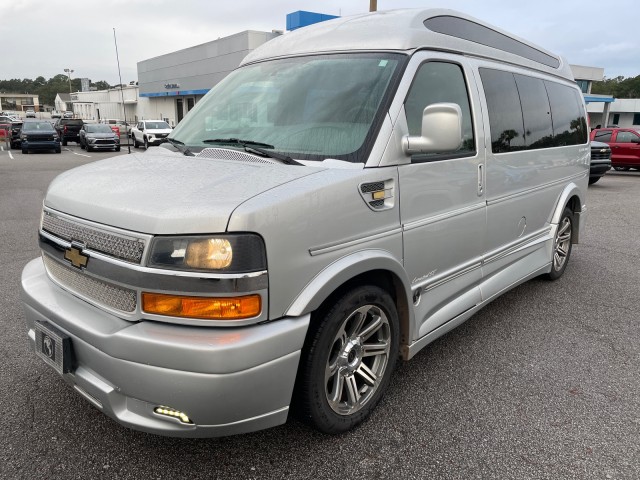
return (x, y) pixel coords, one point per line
(353, 191)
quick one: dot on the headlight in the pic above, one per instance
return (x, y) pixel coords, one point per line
(23, 137)
(228, 253)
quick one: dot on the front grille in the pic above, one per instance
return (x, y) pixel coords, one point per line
(118, 246)
(95, 290)
(40, 138)
(598, 155)
(105, 142)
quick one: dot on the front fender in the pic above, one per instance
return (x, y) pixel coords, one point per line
(343, 270)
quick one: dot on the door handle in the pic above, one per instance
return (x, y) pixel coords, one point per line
(480, 180)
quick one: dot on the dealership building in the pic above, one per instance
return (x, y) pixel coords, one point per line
(171, 84)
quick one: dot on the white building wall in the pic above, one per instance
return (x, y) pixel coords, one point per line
(625, 107)
(101, 104)
(157, 108)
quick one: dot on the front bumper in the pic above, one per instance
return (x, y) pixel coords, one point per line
(598, 169)
(40, 144)
(227, 380)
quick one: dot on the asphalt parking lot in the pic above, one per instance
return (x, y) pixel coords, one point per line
(542, 383)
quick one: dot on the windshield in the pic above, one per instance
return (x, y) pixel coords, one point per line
(98, 128)
(157, 125)
(34, 126)
(307, 107)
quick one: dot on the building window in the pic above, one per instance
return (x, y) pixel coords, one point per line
(616, 118)
(636, 118)
(584, 85)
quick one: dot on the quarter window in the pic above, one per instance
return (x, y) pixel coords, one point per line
(569, 122)
(437, 82)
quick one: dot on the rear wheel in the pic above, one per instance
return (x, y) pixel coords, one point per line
(562, 245)
(347, 360)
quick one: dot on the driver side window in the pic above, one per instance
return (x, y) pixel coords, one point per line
(437, 82)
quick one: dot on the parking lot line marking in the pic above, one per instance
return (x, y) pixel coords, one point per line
(81, 154)
(10, 155)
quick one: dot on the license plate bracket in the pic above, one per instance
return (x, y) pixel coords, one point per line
(54, 347)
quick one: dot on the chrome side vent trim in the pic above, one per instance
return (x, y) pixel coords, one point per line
(378, 195)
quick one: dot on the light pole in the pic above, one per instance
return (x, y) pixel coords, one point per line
(68, 71)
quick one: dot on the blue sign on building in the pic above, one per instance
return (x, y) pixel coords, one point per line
(302, 19)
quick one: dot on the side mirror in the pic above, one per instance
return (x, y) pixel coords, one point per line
(441, 130)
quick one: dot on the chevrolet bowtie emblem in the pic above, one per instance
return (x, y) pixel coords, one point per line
(76, 257)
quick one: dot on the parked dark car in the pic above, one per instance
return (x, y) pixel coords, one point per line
(16, 125)
(600, 161)
(625, 146)
(39, 136)
(68, 129)
(99, 136)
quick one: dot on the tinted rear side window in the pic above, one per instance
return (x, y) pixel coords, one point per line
(535, 111)
(569, 122)
(505, 112)
(529, 113)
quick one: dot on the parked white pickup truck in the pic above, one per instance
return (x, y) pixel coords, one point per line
(150, 132)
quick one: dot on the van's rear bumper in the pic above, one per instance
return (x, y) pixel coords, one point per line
(227, 380)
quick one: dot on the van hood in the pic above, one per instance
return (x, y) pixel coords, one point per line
(165, 193)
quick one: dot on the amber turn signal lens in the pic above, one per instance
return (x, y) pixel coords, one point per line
(208, 308)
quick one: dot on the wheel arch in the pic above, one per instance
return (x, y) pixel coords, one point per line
(571, 197)
(375, 267)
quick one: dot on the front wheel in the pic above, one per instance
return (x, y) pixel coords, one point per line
(562, 245)
(135, 142)
(146, 143)
(347, 360)
(621, 169)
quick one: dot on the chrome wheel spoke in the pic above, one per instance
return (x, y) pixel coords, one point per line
(367, 375)
(337, 385)
(371, 349)
(360, 315)
(353, 395)
(373, 327)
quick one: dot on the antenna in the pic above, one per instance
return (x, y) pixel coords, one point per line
(124, 109)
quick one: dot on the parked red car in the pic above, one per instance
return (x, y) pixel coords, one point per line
(625, 146)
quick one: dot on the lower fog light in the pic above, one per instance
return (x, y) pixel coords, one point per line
(170, 412)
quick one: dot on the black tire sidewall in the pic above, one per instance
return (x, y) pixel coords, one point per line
(313, 404)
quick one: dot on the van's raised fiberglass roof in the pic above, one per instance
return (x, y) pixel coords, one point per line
(412, 29)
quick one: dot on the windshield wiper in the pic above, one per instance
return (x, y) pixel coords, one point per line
(180, 146)
(237, 141)
(251, 146)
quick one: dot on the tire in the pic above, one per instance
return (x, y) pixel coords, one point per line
(621, 169)
(64, 142)
(562, 245)
(82, 145)
(25, 151)
(58, 150)
(117, 149)
(594, 180)
(146, 143)
(89, 149)
(135, 143)
(338, 385)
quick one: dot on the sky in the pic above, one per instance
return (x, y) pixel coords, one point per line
(44, 37)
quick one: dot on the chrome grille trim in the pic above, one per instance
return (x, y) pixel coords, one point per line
(128, 248)
(98, 291)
